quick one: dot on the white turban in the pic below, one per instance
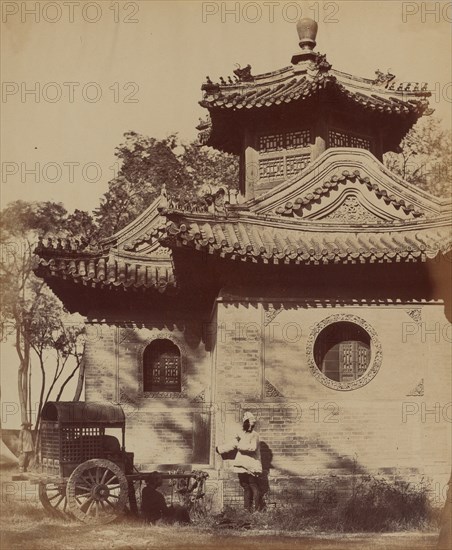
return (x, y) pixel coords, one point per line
(250, 417)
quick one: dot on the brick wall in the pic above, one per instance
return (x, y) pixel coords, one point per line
(238, 367)
(160, 438)
(393, 426)
(101, 362)
(310, 430)
(160, 430)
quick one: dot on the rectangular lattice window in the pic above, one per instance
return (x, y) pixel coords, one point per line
(296, 163)
(338, 139)
(363, 360)
(288, 140)
(342, 139)
(359, 142)
(273, 142)
(353, 360)
(271, 168)
(295, 140)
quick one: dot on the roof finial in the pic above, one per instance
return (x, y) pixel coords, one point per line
(307, 32)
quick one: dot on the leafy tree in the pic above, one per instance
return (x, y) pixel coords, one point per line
(205, 166)
(19, 223)
(55, 337)
(81, 224)
(147, 164)
(29, 312)
(150, 163)
(425, 158)
(121, 204)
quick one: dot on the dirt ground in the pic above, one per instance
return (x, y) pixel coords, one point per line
(47, 536)
(24, 525)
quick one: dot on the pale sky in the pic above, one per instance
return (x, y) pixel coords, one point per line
(166, 56)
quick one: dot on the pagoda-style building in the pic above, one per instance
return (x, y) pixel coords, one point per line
(318, 296)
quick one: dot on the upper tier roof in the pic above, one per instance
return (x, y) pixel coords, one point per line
(383, 94)
(308, 85)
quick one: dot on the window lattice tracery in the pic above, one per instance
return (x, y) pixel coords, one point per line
(342, 139)
(296, 163)
(162, 367)
(288, 140)
(271, 168)
(272, 142)
(298, 139)
(342, 352)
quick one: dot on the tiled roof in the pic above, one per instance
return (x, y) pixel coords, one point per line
(338, 170)
(304, 201)
(288, 85)
(333, 212)
(294, 223)
(111, 272)
(251, 240)
(132, 259)
(334, 182)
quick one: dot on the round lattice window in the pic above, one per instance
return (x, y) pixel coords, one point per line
(344, 352)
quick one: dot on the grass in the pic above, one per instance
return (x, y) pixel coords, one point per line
(25, 526)
(374, 505)
(318, 525)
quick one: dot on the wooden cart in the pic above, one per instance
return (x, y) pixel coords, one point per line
(87, 474)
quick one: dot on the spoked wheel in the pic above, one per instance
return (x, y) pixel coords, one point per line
(97, 491)
(53, 498)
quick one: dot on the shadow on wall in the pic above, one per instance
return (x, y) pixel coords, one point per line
(171, 433)
(194, 352)
(165, 440)
(266, 460)
(314, 451)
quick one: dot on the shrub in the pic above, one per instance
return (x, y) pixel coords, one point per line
(378, 505)
(371, 505)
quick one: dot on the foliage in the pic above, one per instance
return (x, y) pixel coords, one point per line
(80, 224)
(56, 338)
(209, 168)
(371, 504)
(425, 158)
(147, 164)
(29, 313)
(379, 505)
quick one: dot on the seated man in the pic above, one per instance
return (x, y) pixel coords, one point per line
(153, 504)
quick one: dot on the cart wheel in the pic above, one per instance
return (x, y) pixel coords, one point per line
(53, 498)
(97, 491)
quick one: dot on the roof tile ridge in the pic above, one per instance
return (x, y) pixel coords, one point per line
(153, 208)
(69, 247)
(277, 72)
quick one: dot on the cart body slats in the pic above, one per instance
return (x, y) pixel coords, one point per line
(82, 470)
(74, 432)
